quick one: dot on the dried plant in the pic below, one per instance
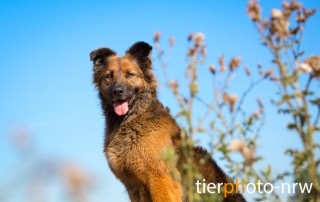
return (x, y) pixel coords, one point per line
(282, 34)
(233, 127)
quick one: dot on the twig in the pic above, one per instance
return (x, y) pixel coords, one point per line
(244, 95)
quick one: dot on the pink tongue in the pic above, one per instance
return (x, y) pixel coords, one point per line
(120, 107)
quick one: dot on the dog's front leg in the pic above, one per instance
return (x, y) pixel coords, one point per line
(164, 188)
(139, 193)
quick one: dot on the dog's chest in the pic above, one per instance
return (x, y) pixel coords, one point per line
(122, 147)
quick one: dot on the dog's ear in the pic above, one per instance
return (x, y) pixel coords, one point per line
(98, 56)
(142, 52)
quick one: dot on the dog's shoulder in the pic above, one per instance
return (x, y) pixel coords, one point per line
(158, 111)
(158, 118)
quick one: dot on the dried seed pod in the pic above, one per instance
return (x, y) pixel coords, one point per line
(225, 98)
(260, 70)
(222, 66)
(294, 5)
(191, 51)
(232, 101)
(171, 41)
(156, 37)
(296, 30)
(276, 14)
(174, 86)
(268, 73)
(254, 11)
(212, 69)
(190, 37)
(234, 63)
(301, 18)
(198, 39)
(247, 70)
(308, 13)
(304, 67)
(203, 50)
(314, 63)
(237, 145)
(248, 154)
(285, 5)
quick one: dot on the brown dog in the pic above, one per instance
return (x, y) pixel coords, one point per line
(139, 128)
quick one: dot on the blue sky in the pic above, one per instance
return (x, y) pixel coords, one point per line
(46, 72)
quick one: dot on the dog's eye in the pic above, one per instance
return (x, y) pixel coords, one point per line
(130, 74)
(109, 75)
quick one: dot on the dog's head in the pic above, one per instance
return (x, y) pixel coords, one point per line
(121, 79)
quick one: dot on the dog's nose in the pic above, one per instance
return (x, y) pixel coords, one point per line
(118, 90)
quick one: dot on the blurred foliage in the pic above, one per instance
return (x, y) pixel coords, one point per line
(36, 176)
(233, 127)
